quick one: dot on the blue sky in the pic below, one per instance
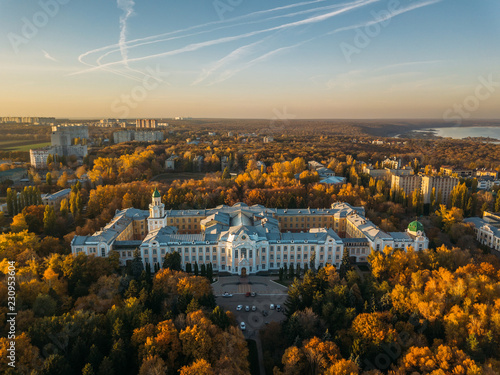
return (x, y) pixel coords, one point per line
(250, 58)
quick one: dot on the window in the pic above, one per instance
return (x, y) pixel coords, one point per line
(321, 257)
(251, 253)
(207, 258)
(223, 258)
(146, 252)
(236, 254)
(263, 258)
(186, 258)
(154, 251)
(285, 256)
(200, 257)
(214, 258)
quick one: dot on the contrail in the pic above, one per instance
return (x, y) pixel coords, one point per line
(152, 37)
(128, 8)
(390, 16)
(196, 46)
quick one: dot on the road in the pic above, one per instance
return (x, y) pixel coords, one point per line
(268, 292)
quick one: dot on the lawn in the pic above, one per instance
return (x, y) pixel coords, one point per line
(21, 145)
(169, 177)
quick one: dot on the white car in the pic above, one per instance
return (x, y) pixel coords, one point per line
(247, 308)
(226, 294)
(271, 306)
(254, 308)
(239, 307)
(243, 326)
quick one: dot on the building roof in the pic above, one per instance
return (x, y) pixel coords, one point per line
(416, 226)
(56, 195)
(333, 180)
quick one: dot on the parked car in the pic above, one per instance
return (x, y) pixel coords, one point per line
(254, 308)
(239, 307)
(253, 294)
(247, 308)
(264, 313)
(226, 294)
(271, 306)
(278, 308)
(247, 294)
(243, 326)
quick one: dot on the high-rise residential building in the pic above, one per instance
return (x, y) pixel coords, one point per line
(29, 120)
(443, 184)
(63, 144)
(407, 183)
(148, 136)
(145, 123)
(140, 136)
(38, 157)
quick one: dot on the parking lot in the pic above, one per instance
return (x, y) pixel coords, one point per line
(267, 293)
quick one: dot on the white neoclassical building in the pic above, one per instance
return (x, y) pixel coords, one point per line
(243, 239)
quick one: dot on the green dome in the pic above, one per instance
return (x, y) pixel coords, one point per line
(415, 226)
(156, 193)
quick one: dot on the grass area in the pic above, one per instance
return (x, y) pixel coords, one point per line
(169, 177)
(21, 145)
(253, 357)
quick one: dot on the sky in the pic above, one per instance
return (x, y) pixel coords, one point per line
(355, 59)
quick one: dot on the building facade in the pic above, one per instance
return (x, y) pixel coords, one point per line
(443, 184)
(145, 123)
(487, 229)
(245, 239)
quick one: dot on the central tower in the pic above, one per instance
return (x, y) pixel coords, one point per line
(157, 217)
